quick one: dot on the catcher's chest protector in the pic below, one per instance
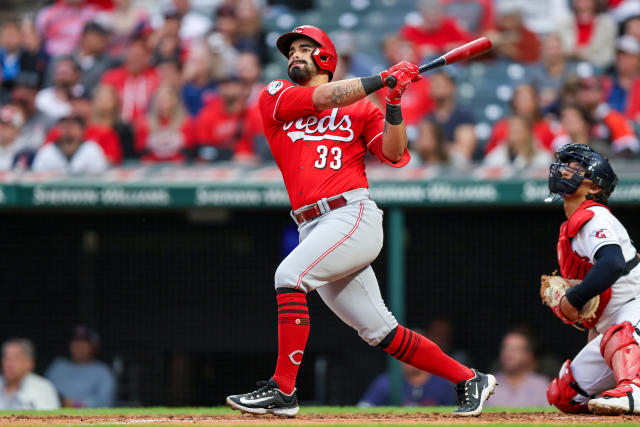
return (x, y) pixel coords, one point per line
(572, 266)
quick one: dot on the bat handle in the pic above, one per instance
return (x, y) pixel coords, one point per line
(390, 82)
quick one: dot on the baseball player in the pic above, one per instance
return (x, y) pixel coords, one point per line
(319, 132)
(594, 247)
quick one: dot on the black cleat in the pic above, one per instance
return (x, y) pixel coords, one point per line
(472, 394)
(268, 399)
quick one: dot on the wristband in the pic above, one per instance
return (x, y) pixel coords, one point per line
(393, 115)
(371, 84)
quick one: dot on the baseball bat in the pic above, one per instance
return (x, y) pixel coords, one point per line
(466, 51)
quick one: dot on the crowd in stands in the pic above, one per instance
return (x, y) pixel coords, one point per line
(91, 84)
(80, 381)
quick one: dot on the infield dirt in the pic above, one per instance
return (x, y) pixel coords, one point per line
(312, 419)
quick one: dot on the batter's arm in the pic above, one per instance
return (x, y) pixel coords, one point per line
(394, 136)
(339, 94)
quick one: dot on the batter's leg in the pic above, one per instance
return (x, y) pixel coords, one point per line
(357, 301)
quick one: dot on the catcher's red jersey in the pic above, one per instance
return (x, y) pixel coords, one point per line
(320, 153)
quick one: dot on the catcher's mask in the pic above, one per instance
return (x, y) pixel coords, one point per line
(593, 166)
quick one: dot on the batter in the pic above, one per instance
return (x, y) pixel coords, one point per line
(319, 133)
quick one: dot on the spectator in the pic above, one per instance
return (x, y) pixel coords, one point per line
(419, 388)
(199, 74)
(251, 36)
(106, 117)
(37, 123)
(611, 133)
(105, 137)
(631, 26)
(519, 150)
(575, 128)
(430, 146)
(135, 82)
(71, 153)
(91, 56)
(55, 101)
(249, 71)
(125, 21)
(352, 61)
(60, 25)
(166, 39)
(520, 386)
(32, 44)
(589, 34)
(456, 122)
(552, 72)
(20, 388)
(436, 32)
(625, 73)
(11, 148)
(475, 16)
(226, 127)
(524, 103)
(512, 39)
(166, 134)
(194, 25)
(170, 71)
(83, 381)
(13, 58)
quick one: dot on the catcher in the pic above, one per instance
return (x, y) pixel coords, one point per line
(596, 254)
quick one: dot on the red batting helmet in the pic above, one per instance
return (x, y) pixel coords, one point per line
(325, 56)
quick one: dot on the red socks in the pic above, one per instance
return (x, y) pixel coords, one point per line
(422, 353)
(293, 330)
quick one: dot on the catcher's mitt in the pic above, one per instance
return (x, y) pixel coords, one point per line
(553, 289)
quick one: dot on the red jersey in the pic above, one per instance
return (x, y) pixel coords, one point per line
(217, 127)
(320, 153)
(164, 144)
(134, 92)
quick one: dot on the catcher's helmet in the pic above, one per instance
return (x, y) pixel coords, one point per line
(596, 168)
(325, 56)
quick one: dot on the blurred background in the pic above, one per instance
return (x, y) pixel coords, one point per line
(143, 217)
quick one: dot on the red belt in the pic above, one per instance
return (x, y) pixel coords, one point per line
(313, 211)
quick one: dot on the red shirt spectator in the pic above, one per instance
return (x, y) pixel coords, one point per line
(220, 128)
(60, 25)
(512, 39)
(166, 134)
(163, 142)
(105, 137)
(525, 103)
(633, 103)
(226, 124)
(135, 82)
(437, 33)
(542, 133)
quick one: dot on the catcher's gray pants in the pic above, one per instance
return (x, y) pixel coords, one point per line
(589, 369)
(333, 258)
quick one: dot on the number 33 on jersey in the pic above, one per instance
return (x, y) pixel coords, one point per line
(320, 153)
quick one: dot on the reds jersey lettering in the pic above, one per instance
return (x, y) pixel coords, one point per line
(320, 153)
(312, 125)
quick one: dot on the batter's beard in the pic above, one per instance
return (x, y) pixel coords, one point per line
(301, 74)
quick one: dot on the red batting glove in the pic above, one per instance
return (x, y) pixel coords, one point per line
(404, 66)
(557, 310)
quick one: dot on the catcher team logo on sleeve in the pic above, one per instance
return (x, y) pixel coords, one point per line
(274, 87)
(600, 234)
